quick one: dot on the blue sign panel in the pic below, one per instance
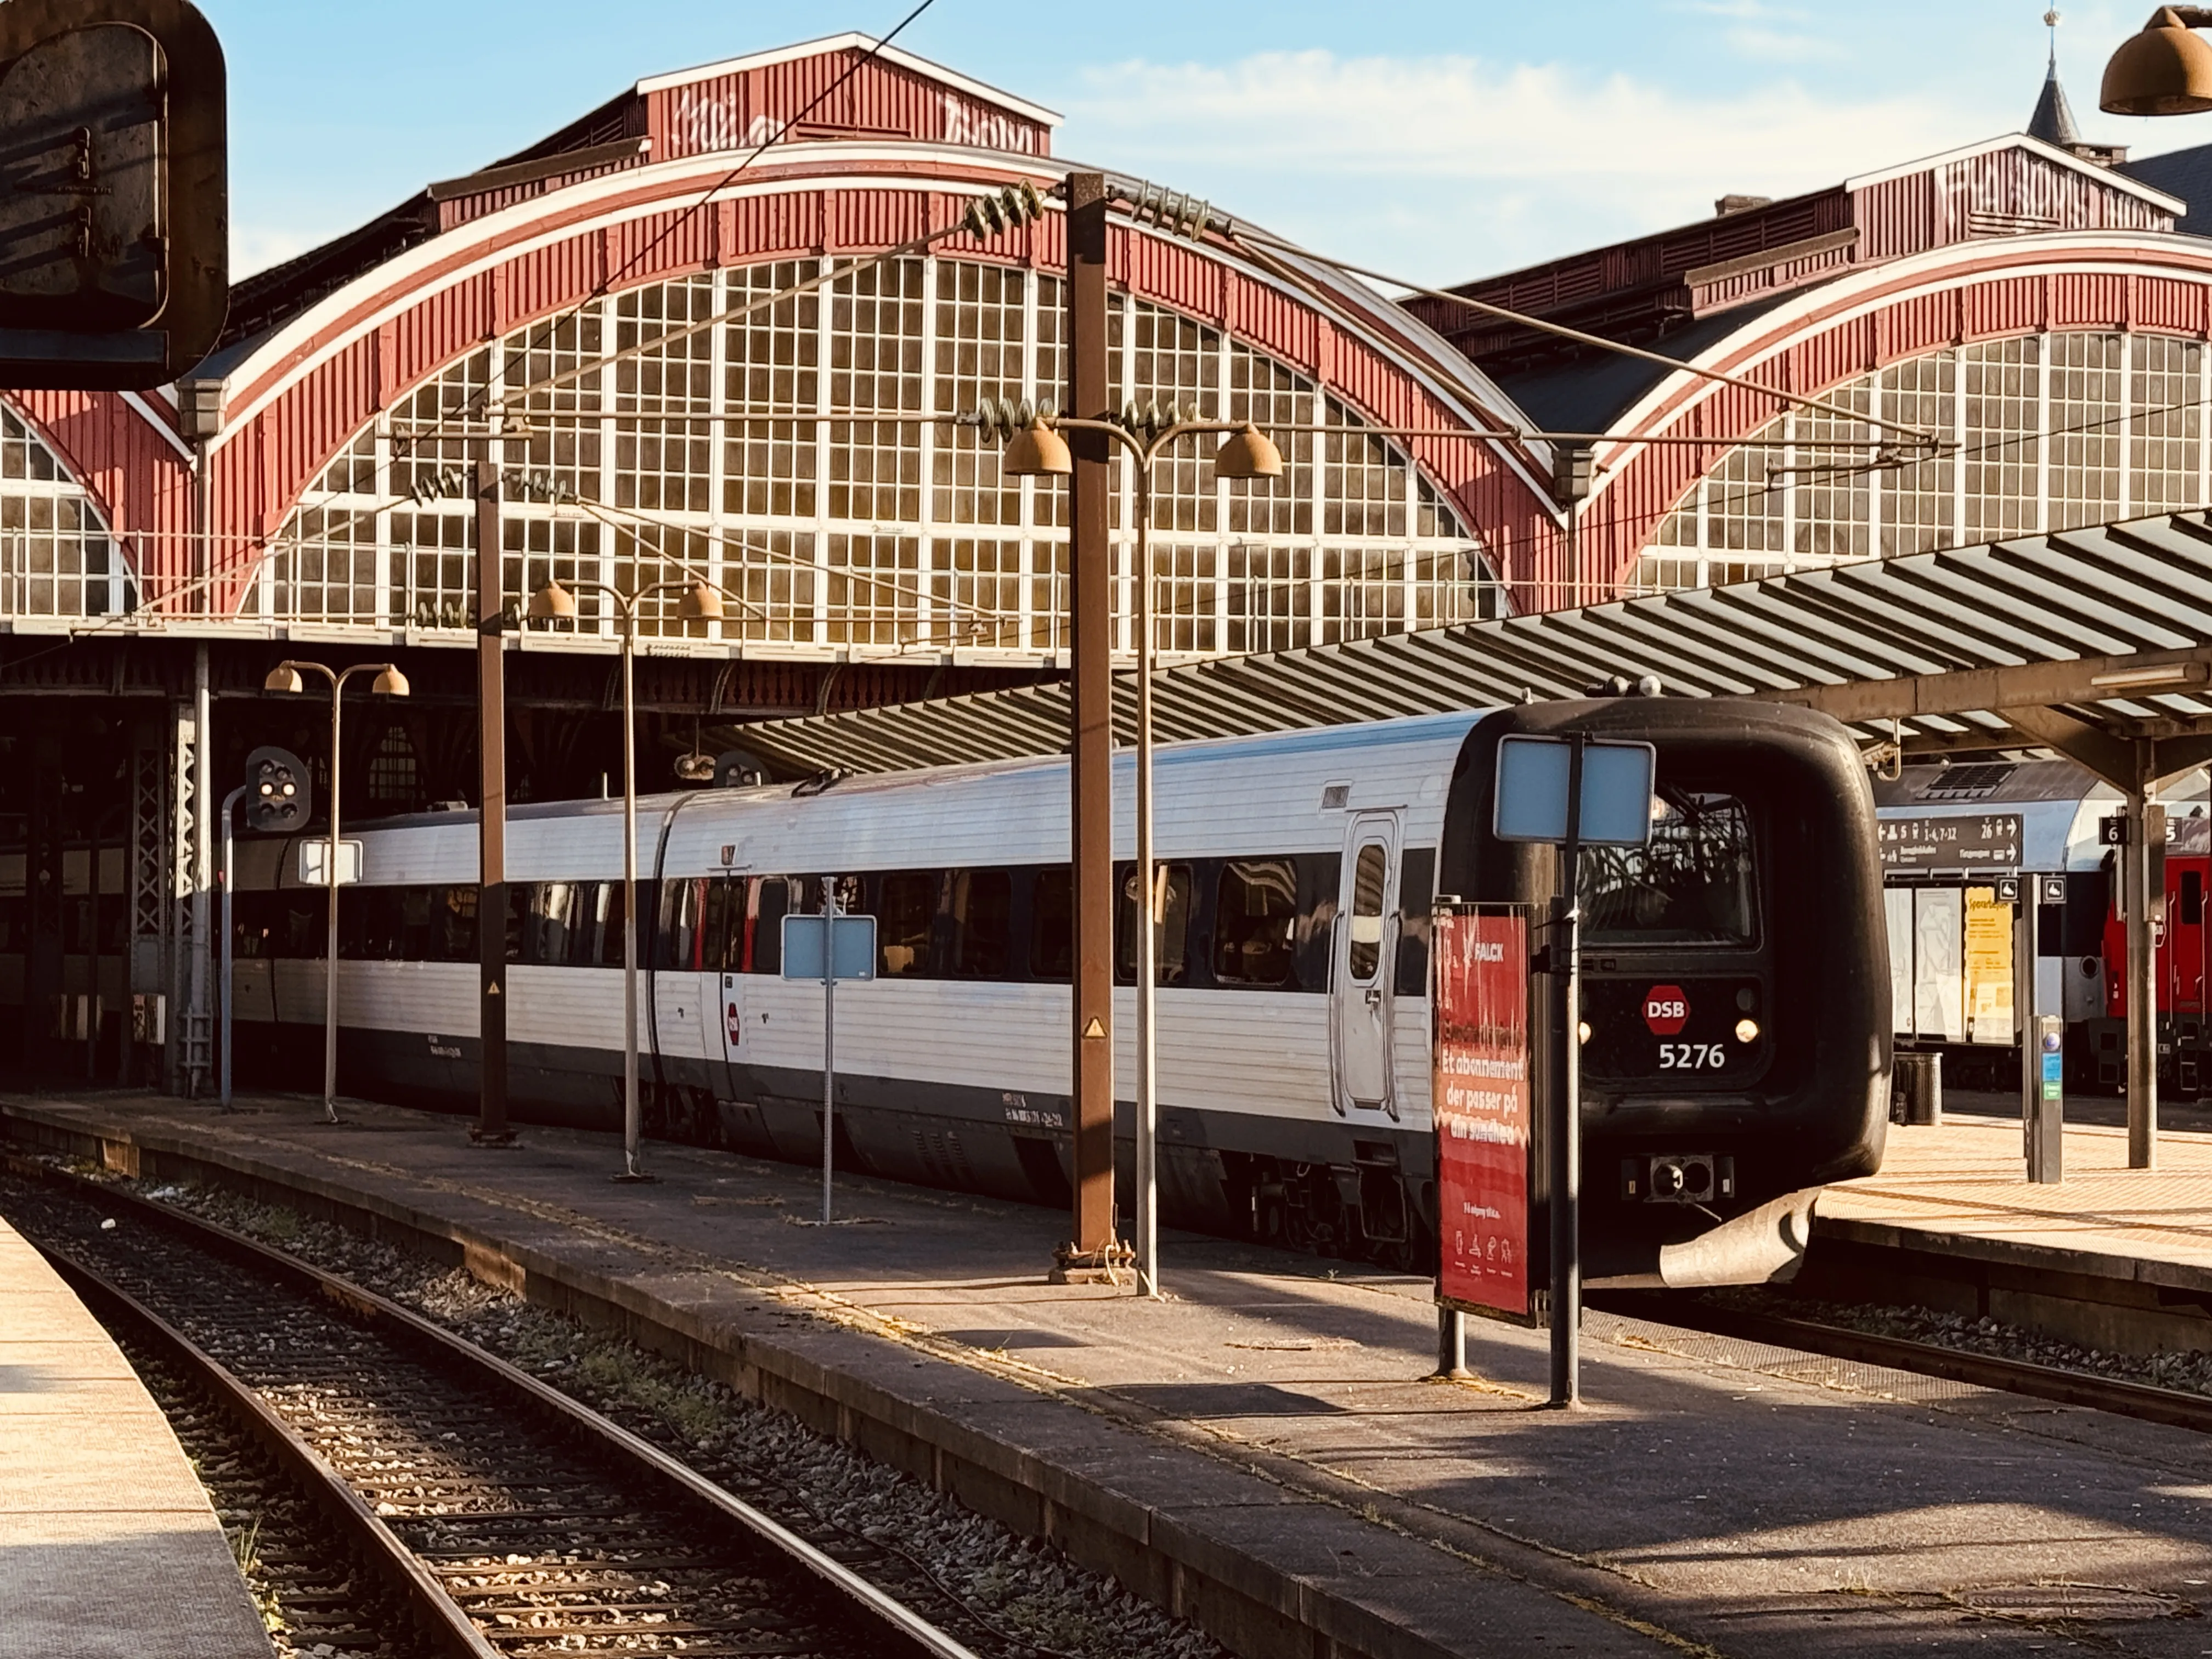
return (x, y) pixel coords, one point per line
(1532, 790)
(802, 947)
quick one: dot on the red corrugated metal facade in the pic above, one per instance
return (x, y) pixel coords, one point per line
(1983, 291)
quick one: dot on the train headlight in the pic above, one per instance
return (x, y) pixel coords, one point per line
(1581, 1031)
(1746, 1030)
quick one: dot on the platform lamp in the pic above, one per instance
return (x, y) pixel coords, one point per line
(1036, 449)
(290, 675)
(702, 602)
(2165, 70)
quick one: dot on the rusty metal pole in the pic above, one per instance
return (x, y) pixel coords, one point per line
(1090, 1255)
(491, 1128)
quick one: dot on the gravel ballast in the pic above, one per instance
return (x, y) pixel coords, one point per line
(1019, 1589)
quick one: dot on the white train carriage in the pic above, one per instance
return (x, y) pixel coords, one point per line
(1300, 870)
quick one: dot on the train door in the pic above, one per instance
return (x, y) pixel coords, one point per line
(733, 923)
(679, 1021)
(1361, 969)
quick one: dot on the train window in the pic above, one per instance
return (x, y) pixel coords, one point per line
(906, 906)
(1171, 940)
(1255, 919)
(982, 923)
(597, 938)
(518, 917)
(302, 934)
(1693, 884)
(2193, 897)
(1369, 876)
(679, 924)
(551, 933)
(714, 925)
(452, 924)
(1052, 924)
(252, 921)
(1417, 883)
(771, 898)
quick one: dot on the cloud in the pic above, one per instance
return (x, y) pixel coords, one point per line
(1455, 165)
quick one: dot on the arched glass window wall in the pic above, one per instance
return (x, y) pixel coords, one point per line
(881, 535)
(2051, 432)
(56, 556)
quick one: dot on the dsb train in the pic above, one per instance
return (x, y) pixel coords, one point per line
(1301, 872)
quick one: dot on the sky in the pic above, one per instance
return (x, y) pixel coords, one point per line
(1438, 139)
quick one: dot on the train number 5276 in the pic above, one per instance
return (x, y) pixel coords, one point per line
(1692, 1057)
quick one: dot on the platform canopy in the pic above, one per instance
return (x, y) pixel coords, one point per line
(2096, 642)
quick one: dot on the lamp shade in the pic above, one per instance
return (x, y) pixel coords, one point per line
(700, 602)
(1037, 452)
(2163, 71)
(283, 677)
(552, 603)
(391, 682)
(1249, 454)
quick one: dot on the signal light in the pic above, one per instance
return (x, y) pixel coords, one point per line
(113, 193)
(277, 795)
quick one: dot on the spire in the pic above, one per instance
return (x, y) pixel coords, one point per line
(2053, 120)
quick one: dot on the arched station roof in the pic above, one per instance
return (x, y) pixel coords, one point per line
(863, 151)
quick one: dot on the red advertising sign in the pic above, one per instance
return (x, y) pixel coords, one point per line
(1666, 1009)
(1482, 1110)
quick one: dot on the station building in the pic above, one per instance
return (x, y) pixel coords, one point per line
(2033, 299)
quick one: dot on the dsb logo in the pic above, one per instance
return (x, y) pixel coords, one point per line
(1666, 1009)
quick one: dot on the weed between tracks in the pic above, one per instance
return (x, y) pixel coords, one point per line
(1029, 1591)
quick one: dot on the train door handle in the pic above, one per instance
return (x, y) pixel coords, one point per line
(1375, 996)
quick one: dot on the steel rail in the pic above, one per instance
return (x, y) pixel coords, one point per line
(891, 1617)
(2145, 1401)
(400, 1569)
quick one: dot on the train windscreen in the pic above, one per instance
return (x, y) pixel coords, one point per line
(1694, 884)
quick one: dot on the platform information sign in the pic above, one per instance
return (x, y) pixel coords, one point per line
(1481, 1098)
(1968, 842)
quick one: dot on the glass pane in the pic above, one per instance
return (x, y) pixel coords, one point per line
(1256, 922)
(905, 906)
(982, 918)
(1052, 925)
(1368, 879)
(1171, 937)
(1692, 885)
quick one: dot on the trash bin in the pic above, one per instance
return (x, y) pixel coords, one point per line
(1916, 1088)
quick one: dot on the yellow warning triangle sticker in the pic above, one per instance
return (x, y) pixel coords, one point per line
(493, 990)
(1094, 1029)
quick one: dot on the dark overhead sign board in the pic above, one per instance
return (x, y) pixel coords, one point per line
(1970, 842)
(114, 192)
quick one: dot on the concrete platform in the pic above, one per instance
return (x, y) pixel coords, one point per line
(1259, 1451)
(2111, 1257)
(107, 1545)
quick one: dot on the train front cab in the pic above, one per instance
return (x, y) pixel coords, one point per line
(1736, 986)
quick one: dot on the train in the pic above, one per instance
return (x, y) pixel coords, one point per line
(1949, 832)
(1300, 873)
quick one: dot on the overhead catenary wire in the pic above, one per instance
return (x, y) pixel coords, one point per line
(608, 283)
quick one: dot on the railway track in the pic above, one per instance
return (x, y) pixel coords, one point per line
(2176, 1407)
(505, 1517)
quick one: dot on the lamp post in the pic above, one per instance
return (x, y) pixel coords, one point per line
(290, 675)
(702, 602)
(1039, 451)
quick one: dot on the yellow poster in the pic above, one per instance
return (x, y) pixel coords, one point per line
(1989, 966)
